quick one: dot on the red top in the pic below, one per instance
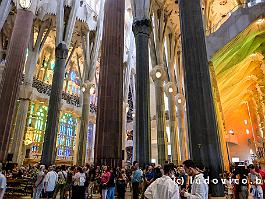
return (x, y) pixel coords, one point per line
(262, 173)
(106, 176)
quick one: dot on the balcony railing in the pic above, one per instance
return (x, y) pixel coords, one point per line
(45, 89)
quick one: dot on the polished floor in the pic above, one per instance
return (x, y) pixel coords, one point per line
(95, 196)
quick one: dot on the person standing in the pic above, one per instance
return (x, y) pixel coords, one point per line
(104, 181)
(39, 183)
(61, 185)
(121, 184)
(149, 176)
(2, 183)
(79, 180)
(111, 184)
(261, 172)
(136, 179)
(163, 187)
(255, 180)
(199, 188)
(50, 182)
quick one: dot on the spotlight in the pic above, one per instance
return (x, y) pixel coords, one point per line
(179, 101)
(158, 74)
(170, 90)
(83, 89)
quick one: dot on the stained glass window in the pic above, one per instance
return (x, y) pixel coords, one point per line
(66, 136)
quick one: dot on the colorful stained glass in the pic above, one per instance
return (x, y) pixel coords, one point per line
(66, 135)
(36, 125)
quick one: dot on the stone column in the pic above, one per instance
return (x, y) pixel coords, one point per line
(5, 7)
(12, 74)
(24, 97)
(158, 75)
(49, 144)
(183, 140)
(82, 141)
(171, 92)
(124, 133)
(142, 30)
(204, 141)
(108, 145)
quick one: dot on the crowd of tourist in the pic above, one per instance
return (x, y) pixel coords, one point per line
(188, 180)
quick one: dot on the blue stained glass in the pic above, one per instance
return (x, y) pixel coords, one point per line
(73, 76)
(67, 152)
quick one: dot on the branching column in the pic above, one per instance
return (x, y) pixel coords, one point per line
(12, 74)
(108, 145)
(158, 75)
(171, 92)
(49, 145)
(203, 134)
(142, 29)
(84, 124)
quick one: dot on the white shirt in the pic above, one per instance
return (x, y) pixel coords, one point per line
(199, 188)
(2, 185)
(50, 180)
(163, 187)
(62, 176)
(79, 179)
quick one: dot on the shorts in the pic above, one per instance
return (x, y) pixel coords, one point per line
(48, 194)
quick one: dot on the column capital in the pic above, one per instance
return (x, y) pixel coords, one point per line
(25, 92)
(180, 99)
(142, 26)
(158, 74)
(170, 89)
(27, 5)
(61, 51)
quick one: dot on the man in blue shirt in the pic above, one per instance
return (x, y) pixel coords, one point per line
(136, 179)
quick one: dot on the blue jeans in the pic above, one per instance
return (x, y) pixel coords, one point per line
(110, 194)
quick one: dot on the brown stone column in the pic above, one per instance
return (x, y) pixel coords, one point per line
(12, 75)
(108, 144)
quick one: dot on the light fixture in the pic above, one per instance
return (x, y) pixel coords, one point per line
(247, 131)
(127, 109)
(133, 115)
(246, 122)
(170, 90)
(179, 101)
(158, 74)
(231, 131)
(92, 90)
(83, 89)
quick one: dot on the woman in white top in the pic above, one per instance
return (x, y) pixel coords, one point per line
(79, 180)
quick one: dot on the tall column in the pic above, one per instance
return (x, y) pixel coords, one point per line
(84, 124)
(203, 135)
(142, 30)
(49, 145)
(24, 97)
(158, 75)
(5, 7)
(109, 116)
(12, 74)
(183, 140)
(171, 92)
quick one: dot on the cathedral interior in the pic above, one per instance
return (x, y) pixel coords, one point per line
(94, 81)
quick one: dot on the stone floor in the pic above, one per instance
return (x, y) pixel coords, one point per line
(96, 196)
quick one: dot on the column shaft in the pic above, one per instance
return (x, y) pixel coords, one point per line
(160, 122)
(174, 141)
(203, 135)
(82, 141)
(142, 31)
(109, 116)
(49, 145)
(12, 74)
